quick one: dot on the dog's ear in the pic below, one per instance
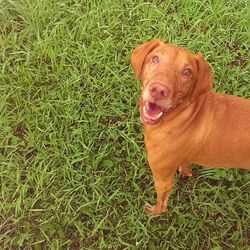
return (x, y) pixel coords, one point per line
(204, 77)
(139, 54)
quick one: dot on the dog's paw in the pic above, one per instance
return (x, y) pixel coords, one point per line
(149, 209)
(152, 211)
(185, 170)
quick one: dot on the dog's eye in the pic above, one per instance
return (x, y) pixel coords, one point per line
(155, 59)
(186, 72)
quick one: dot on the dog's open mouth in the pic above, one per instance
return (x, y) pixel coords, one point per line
(151, 113)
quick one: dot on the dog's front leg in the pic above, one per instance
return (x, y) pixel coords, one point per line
(163, 181)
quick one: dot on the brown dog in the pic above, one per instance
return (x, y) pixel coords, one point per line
(184, 120)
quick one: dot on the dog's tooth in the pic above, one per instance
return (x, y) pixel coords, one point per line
(159, 115)
(153, 118)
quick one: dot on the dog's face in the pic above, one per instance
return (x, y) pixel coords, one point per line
(169, 75)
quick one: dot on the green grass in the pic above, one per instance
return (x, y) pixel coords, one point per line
(73, 167)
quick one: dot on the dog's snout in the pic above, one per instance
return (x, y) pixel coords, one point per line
(159, 91)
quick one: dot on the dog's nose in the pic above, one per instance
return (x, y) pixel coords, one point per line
(159, 91)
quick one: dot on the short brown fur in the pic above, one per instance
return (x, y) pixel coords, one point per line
(203, 127)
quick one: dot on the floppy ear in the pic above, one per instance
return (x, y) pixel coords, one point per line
(139, 54)
(204, 77)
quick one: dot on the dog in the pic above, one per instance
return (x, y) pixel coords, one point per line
(184, 121)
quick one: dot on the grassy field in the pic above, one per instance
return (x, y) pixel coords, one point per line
(73, 170)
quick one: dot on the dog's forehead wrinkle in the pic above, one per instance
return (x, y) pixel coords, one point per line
(172, 54)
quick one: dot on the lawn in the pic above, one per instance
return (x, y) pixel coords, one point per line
(73, 169)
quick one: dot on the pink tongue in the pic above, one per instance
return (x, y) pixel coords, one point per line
(153, 108)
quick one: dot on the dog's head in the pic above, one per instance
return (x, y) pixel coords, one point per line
(169, 75)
